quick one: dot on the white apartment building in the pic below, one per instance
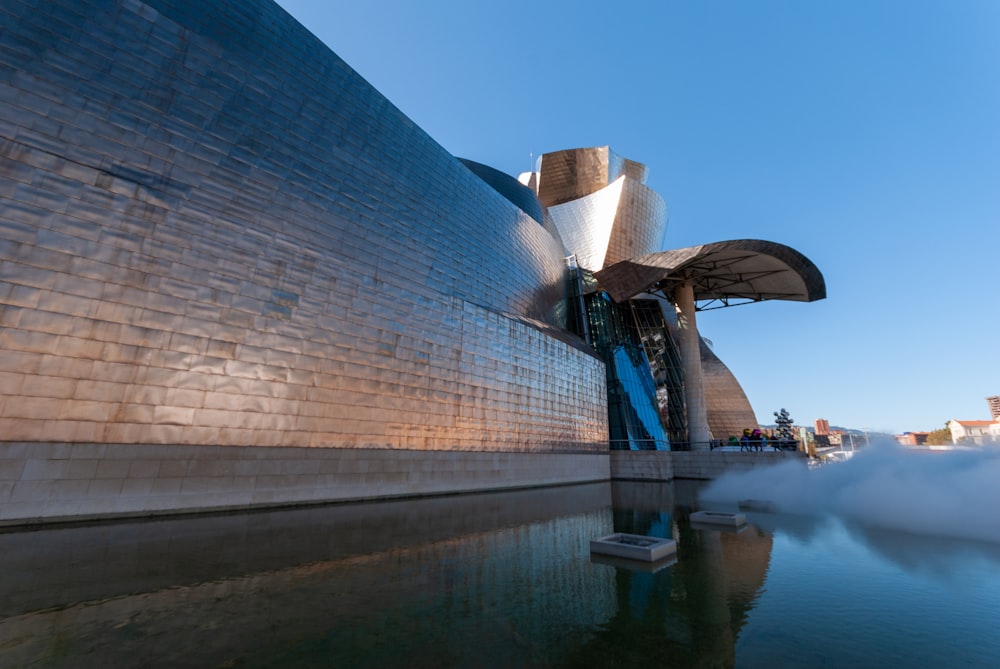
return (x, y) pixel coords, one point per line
(974, 431)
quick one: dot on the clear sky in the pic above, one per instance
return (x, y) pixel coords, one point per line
(863, 133)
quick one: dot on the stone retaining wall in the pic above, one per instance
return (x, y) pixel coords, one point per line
(668, 465)
(59, 481)
(53, 482)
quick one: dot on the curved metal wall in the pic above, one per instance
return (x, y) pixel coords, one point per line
(573, 173)
(585, 224)
(512, 189)
(620, 221)
(201, 245)
(639, 224)
(729, 410)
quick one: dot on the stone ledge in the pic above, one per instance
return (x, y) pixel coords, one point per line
(38, 487)
(697, 465)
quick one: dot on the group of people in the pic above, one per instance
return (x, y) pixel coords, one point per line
(754, 440)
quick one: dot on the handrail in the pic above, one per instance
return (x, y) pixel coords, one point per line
(643, 445)
(759, 445)
(754, 445)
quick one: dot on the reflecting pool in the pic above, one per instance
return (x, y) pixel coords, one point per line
(493, 580)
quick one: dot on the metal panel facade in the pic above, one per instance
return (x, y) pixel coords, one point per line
(601, 205)
(213, 231)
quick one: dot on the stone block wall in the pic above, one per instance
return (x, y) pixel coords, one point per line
(642, 465)
(703, 465)
(52, 482)
(713, 464)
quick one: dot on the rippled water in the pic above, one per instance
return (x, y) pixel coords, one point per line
(493, 580)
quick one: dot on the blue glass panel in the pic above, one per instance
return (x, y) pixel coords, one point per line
(642, 419)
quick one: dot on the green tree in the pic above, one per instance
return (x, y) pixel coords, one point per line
(939, 437)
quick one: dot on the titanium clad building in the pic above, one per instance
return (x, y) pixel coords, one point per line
(608, 217)
(232, 273)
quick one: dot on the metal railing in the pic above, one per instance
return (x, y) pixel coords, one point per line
(641, 445)
(753, 445)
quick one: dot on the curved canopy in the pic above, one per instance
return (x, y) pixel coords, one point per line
(722, 274)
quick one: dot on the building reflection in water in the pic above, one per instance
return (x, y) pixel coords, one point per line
(691, 613)
(499, 579)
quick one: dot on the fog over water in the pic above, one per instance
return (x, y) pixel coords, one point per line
(939, 493)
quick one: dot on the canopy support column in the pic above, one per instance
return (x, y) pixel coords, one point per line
(694, 386)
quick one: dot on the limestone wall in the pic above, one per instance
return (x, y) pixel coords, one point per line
(62, 481)
(668, 465)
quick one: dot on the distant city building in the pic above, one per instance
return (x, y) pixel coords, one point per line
(822, 426)
(994, 403)
(912, 438)
(971, 431)
(831, 439)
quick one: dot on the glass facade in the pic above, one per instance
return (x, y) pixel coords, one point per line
(665, 363)
(635, 417)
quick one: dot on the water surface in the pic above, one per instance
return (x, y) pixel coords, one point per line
(493, 580)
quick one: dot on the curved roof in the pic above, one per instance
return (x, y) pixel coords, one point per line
(516, 193)
(520, 195)
(723, 273)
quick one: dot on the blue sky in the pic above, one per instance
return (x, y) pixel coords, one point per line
(865, 134)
